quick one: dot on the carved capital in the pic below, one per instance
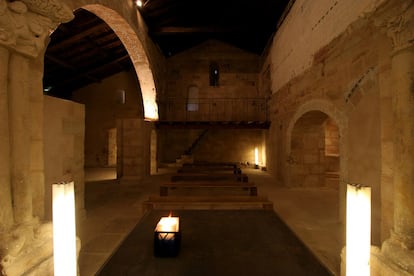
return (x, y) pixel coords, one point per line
(24, 25)
(396, 17)
(52, 9)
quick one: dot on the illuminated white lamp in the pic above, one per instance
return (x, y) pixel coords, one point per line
(64, 229)
(256, 158)
(358, 230)
(167, 237)
(138, 3)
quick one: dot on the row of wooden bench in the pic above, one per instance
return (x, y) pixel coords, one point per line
(205, 178)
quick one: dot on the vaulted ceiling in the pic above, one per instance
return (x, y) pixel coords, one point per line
(86, 50)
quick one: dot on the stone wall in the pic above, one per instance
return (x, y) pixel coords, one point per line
(238, 81)
(230, 100)
(63, 150)
(103, 107)
(308, 28)
(237, 69)
(216, 145)
(342, 81)
(134, 148)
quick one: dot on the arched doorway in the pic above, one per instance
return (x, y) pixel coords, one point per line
(314, 152)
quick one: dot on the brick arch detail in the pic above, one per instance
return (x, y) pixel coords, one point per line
(136, 52)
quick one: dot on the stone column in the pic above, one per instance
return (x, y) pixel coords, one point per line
(403, 109)
(6, 211)
(396, 257)
(36, 176)
(19, 117)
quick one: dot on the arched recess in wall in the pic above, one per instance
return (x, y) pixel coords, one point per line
(136, 53)
(314, 152)
(330, 110)
(316, 119)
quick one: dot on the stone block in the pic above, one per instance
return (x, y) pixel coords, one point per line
(70, 126)
(311, 158)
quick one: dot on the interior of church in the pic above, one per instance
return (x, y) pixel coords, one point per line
(283, 119)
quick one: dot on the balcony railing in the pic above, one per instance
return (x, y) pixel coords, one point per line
(213, 109)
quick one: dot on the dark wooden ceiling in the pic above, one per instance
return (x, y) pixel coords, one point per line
(86, 50)
(176, 25)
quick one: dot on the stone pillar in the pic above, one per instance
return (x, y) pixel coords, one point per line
(403, 109)
(6, 211)
(397, 253)
(19, 117)
(133, 148)
(36, 172)
(26, 245)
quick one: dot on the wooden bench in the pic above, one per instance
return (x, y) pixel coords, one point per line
(212, 164)
(207, 203)
(209, 177)
(209, 169)
(251, 187)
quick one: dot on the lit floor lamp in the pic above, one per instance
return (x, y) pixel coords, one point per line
(64, 229)
(358, 230)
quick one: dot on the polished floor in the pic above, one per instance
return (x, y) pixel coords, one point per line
(114, 210)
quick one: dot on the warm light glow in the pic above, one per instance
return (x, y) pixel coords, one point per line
(139, 3)
(358, 230)
(168, 224)
(64, 229)
(150, 110)
(256, 156)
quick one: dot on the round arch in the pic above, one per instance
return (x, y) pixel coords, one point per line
(136, 53)
(341, 121)
(317, 105)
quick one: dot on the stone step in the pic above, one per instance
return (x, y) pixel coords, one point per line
(207, 203)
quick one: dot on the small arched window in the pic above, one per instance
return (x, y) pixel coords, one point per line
(214, 74)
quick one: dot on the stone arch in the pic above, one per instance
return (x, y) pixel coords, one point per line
(136, 52)
(317, 105)
(341, 121)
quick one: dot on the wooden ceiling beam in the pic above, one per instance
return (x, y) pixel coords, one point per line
(75, 39)
(88, 73)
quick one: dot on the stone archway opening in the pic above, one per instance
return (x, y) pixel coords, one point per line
(314, 155)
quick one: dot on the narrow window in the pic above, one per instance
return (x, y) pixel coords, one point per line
(192, 101)
(214, 74)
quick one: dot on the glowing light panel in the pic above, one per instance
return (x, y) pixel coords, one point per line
(64, 229)
(358, 230)
(256, 156)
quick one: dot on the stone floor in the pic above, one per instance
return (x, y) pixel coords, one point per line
(115, 207)
(219, 243)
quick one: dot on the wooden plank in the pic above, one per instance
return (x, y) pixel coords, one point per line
(209, 177)
(211, 164)
(209, 169)
(164, 188)
(207, 202)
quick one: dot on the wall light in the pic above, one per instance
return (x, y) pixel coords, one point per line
(64, 229)
(358, 230)
(256, 157)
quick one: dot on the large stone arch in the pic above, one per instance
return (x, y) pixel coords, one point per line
(136, 52)
(341, 121)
